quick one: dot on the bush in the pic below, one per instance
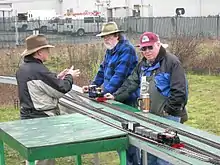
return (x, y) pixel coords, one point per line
(196, 55)
(208, 64)
(186, 49)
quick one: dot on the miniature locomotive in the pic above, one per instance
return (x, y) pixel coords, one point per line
(95, 91)
(169, 138)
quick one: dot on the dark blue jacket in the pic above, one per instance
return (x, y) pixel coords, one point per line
(170, 81)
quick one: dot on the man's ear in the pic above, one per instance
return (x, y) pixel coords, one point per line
(39, 53)
(158, 44)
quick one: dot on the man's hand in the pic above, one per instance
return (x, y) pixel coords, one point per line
(165, 113)
(109, 96)
(62, 74)
(85, 89)
(75, 73)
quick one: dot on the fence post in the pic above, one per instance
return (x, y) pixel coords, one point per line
(151, 24)
(217, 27)
(16, 29)
(176, 26)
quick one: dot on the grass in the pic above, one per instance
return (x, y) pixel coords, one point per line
(204, 103)
(13, 158)
(203, 108)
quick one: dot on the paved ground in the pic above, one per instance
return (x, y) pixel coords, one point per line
(8, 39)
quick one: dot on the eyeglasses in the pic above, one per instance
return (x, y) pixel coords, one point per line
(107, 37)
(146, 48)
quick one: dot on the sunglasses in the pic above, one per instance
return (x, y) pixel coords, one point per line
(146, 48)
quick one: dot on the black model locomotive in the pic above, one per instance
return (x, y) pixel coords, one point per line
(169, 137)
(95, 91)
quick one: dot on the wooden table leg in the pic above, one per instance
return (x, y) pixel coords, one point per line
(2, 157)
(123, 157)
(78, 160)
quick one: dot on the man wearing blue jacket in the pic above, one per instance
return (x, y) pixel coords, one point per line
(119, 61)
(165, 75)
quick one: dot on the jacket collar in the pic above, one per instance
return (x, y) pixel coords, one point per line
(30, 58)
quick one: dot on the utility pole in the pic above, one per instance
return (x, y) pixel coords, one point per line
(77, 2)
(60, 7)
(200, 8)
(142, 8)
(127, 7)
(104, 4)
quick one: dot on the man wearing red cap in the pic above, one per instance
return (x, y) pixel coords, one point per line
(167, 82)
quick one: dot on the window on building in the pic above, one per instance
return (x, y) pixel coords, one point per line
(99, 19)
(22, 16)
(88, 19)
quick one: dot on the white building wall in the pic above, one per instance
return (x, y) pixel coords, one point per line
(160, 7)
(77, 5)
(119, 12)
(167, 7)
(24, 6)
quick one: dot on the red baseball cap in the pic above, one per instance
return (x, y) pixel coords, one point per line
(148, 39)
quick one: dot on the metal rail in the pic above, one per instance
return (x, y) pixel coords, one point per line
(157, 123)
(198, 154)
(8, 80)
(206, 158)
(216, 158)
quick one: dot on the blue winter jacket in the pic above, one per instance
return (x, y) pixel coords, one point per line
(116, 67)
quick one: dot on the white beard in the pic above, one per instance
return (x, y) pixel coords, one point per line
(108, 46)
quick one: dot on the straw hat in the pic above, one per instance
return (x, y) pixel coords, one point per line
(35, 43)
(109, 28)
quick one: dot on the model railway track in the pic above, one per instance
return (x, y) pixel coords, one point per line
(157, 123)
(186, 151)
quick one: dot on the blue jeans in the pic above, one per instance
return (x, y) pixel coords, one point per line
(133, 156)
(153, 160)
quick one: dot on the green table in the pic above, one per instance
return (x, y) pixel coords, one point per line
(60, 136)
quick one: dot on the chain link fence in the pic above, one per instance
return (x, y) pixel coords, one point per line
(69, 31)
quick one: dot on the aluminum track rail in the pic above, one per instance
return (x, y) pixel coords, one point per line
(189, 150)
(12, 80)
(157, 123)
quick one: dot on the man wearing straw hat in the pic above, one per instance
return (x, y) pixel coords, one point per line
(119, 61)
(38, 88)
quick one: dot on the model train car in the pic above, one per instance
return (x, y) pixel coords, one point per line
(169, 138)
